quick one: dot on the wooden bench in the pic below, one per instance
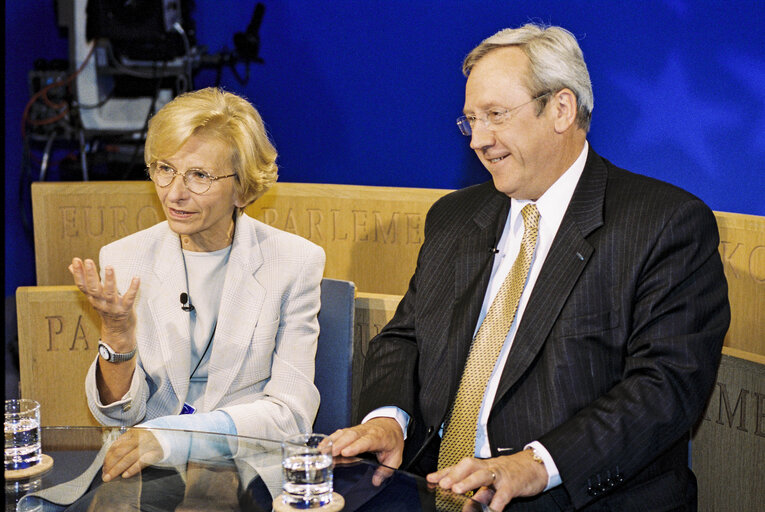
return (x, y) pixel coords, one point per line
(371, 234)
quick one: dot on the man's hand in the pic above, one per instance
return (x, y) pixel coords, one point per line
(381, 436)
(497, 480)
(130, 453)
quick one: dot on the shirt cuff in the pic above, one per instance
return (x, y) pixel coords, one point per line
(553, 475)
(390, 411)
(126, 402)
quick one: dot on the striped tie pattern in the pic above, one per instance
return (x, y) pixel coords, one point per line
(462, 421)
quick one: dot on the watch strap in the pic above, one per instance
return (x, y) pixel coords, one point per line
(117, 357)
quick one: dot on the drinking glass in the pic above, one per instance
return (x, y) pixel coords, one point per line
(307, 471)
(22, 434)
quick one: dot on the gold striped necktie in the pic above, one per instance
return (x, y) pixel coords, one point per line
(462, 421)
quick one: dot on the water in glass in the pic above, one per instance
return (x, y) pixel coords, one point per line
(306, 472)
(22, 434)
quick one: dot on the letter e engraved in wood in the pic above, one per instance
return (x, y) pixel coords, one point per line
(69, 220)
(413, 229)
(360, 226)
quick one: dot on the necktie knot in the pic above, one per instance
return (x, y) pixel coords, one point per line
(530, 215)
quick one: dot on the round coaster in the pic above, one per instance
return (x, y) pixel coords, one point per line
(46, 462)
(337, 504)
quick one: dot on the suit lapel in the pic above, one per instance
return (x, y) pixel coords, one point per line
(241, 301)
(567, 258)
(172, 338)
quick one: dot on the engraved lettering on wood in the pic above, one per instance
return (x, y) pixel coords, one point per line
(68, 217)
(94, 219)
(59, 327)
(360, 226)
(381, 233)
(354, 225)
(759, 421)
(79, 334)
(315, 216)
(730, 409)
(59, 322)
(102, 222)
(413, 230)
(739, 258)
(336, 228)
(290, 224)
(269, 216)
(147, 216)
(757, 264)
(119, 218)
(725, 406)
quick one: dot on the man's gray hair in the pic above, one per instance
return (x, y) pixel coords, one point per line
(556, 62)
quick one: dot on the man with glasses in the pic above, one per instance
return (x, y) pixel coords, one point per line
(561, 333)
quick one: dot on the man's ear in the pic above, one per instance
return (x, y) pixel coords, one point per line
(564, 108)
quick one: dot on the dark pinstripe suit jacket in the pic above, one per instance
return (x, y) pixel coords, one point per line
(615, 355)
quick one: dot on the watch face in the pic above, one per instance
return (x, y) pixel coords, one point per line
(104, 352)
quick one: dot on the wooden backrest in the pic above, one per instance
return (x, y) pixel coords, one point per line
(58, 340)
(728, 443)
(58, 337)
(742, 248)
(371, 234)
(373, 311)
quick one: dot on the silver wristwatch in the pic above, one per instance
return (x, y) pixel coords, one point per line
(110, 355)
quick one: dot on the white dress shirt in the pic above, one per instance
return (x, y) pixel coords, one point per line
(552, 206)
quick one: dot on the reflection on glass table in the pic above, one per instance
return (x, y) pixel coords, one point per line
(197, 471)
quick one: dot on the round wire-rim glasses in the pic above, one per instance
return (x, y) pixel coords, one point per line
(198, 181)
(493, 119)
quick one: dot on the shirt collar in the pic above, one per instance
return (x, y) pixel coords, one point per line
(554, 202)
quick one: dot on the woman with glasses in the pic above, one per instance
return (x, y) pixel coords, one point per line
(208, 319)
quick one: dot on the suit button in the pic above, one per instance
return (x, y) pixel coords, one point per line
(430, 430)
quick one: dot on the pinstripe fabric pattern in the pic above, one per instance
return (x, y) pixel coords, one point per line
(616, 353)
(460, 426)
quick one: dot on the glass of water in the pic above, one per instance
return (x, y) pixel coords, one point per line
(307, 471)
(22, 434)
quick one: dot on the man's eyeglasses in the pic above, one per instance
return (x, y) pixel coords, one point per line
(197, 181)
(493, 120)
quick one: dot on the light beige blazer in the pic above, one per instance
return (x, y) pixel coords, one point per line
(261, 366)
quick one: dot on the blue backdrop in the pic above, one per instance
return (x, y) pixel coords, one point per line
(366, 93)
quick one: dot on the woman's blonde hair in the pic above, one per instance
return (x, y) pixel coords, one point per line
(213, 112)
